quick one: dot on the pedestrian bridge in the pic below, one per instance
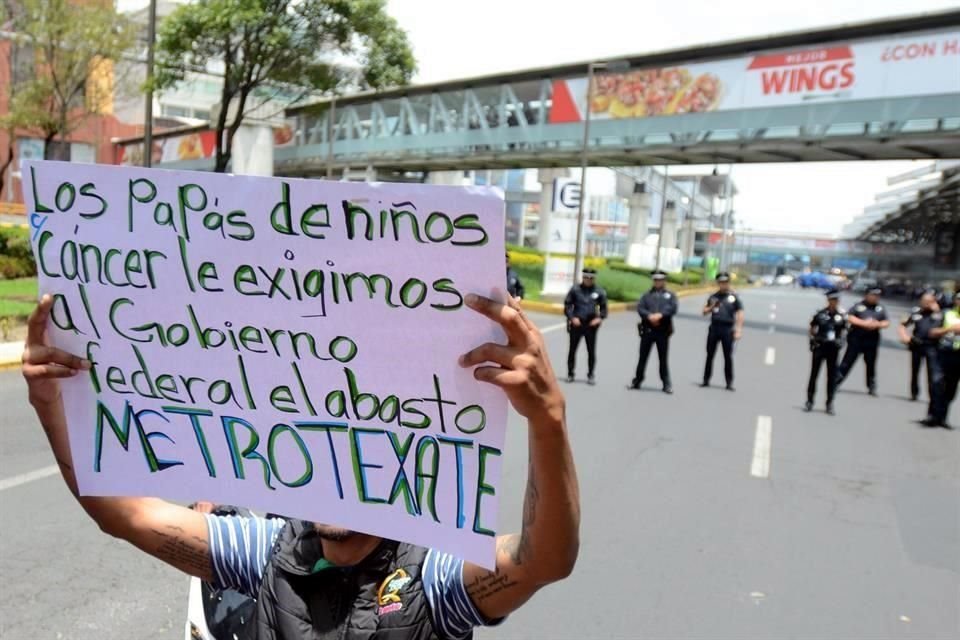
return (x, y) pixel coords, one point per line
(880, 90)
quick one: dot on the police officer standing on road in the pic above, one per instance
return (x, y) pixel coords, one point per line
(586, 308)
(514, 284)
(945, 389)
(656, 308)
(826, 341)
(726, 326)
(867, 318)
(922, 346)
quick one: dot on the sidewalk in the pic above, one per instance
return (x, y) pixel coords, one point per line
(10, 353)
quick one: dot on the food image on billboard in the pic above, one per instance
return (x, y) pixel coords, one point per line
(654, 92)
(912, 65)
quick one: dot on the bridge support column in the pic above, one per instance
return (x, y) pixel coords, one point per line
(450, 178)
(688, 237)
(546, 178)
(668, 228)
(253, 149)
(639, 204)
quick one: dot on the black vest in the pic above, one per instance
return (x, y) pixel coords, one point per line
(381, 598)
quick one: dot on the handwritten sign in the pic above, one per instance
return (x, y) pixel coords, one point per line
(286, 345)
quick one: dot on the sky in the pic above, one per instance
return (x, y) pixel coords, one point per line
(464, 38)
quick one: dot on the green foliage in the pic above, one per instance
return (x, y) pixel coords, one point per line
(15, 309)
(269, 47)
(515, 248)
(16, 259)
(623, 286)
(20, 288)
(686, 277)
(73, 46)
(532, 278)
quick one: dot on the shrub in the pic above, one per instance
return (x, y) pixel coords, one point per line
(11, 268)
(622, 286)
(16, 259)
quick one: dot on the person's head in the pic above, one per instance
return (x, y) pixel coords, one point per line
(872, 297)
(956, 299)
(833, 299)
(508, 258)
(928, 301)
(659, 279)
(723, 281)
(589, 277)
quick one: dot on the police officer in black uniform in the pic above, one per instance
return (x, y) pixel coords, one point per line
(945, 388)
(656, 308)
(923, 347)
(585, 308)
(826, 340)
(514, 284)
(867, 318)
(726, 326)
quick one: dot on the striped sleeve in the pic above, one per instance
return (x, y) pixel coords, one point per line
(454, 614)
(239, 550)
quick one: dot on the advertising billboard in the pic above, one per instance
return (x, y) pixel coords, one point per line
(897, 66)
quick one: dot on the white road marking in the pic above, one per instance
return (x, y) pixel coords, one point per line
(760, 467)
(30, 476)
(770, 357)
(773, 316)
(554, 327)
(772, 329)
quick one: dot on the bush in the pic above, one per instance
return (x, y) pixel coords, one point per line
(11, 268)
(16, 259)
(622, 286)
(532, 257)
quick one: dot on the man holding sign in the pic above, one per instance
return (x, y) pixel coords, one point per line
(407, 556)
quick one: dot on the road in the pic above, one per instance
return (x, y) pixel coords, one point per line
(852, 532)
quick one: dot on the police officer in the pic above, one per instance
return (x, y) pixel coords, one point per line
(514, 284)
(826, 339)
(586, 308)
(726, 326)
(656, 308)
(923, 347)
(945, 389)
(867, 318)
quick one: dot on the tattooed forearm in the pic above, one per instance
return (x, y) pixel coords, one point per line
(490, 584)
(530, 502)
(191, 556)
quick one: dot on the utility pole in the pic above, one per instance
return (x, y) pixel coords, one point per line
(148, 107)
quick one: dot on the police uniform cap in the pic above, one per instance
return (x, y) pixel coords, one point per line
(723, 276)
(875, 291)
(833, 294)
(589, 272)
(659, 275)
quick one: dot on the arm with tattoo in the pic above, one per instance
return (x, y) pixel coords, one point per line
(546, 548)
(174, 534)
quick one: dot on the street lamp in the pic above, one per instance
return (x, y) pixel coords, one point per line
(616, 66)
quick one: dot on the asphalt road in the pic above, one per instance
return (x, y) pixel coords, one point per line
(854, 531)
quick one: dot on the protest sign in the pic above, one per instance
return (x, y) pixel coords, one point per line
(286, 345)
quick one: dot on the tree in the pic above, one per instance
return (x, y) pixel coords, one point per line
(273, 47)
(74, 46)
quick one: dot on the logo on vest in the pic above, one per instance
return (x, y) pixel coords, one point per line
(387, 595)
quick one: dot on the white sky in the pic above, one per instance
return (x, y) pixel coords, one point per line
(463, 38)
